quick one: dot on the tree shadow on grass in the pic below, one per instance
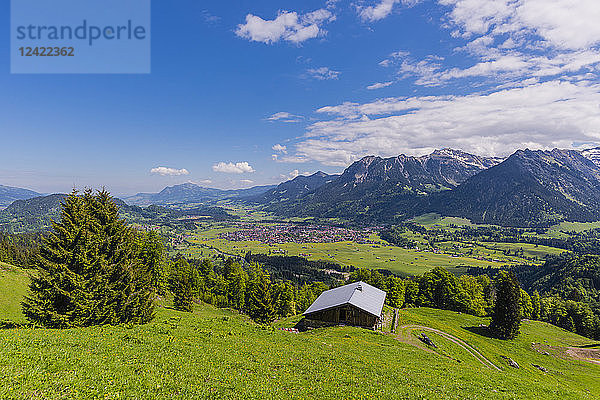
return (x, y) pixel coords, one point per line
(590, 346)
(7, 324)
(481, 331)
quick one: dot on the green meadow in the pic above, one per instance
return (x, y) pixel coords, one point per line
(215, 353)
(13, 283)
(433, 220)
(578, 227)
(455, 256)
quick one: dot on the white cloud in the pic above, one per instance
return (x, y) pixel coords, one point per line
(231, 168)
(512, 41)
(246, 182)
(288, 26)
(295, 159)
(563, 24)
(383, 9)
(323, 73)
(540, 115)
(166, 171)
(379, 85)
(206, 182)
(292, 175)
(397, 55)
(284, 117)
(496, 65)
(280, 148)
(210, 18)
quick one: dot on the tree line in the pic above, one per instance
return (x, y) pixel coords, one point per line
(299, 270)
(20, 249)
(478, 295)
(248, 289)
(586, 242)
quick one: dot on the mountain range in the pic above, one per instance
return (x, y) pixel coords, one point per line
(376, 189)
(530, 188)
(293, 189)
(189, 193)
(527, 189)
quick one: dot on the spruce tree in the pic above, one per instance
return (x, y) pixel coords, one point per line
(259, 303)
(183, 286)
(88, 273)
(152, 254)
(284, 299)
(536, 303)
(506, 318)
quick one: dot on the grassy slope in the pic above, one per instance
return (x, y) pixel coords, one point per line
(13, 286)
(220, 354)
(564, 374)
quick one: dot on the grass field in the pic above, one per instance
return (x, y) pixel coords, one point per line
(454, 256)
(436, 221)
(13, 286)
(216, 353)
(433, 220)
(496, 250)
(558, 230)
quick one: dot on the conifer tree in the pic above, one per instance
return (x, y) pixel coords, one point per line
(183, 286)
(284, 302)
(88, 273)
(536, 304)
(153, 255)
(506, 318)
(259, 302)
(237, 281)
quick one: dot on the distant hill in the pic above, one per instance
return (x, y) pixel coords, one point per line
(530, 188)
(377, 189)
(572, 277)
(32, 214)
(9, 194)
(35, 214)
(293, 189)
(190, 193)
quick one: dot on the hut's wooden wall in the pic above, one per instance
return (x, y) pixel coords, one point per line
(345, 314)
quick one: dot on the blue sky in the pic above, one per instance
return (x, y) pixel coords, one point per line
(249, 93)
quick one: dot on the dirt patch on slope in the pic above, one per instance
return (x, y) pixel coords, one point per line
(578, 353)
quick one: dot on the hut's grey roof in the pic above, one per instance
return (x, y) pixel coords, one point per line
(358, 294)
